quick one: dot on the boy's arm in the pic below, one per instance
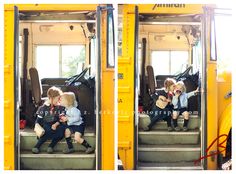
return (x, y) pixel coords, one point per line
(175, 100)
(75, 116)
(40, 114)
(193, 93)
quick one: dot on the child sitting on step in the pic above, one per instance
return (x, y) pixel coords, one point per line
(180, 102)
(75, 123)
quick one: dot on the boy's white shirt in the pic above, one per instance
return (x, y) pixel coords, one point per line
(74, 116)
(183, 99)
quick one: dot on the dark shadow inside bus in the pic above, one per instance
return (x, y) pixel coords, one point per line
(58, 48)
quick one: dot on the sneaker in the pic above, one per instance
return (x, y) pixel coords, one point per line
(35, 150)
(177, 129)
(170, 129)
(89, 150)
(50, 150)
(185, 129)
(146, 128)
(66, 151)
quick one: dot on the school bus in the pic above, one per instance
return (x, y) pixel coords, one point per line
(178, 41)
(70, 46)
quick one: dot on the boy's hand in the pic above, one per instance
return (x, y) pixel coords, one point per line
(63, 119)
(196, 91)
(54, 126)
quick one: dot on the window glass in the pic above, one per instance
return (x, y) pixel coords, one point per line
(179, 61)
(169, 62)
(213, 41)
(111, 50)
(47, 61)
(20, 56)
(73, 60)
(160, 62)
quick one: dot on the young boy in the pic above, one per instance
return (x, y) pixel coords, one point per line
(75, 124)
(180, 102)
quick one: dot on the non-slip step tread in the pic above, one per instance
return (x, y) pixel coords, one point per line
(169, 166)
(30, 132)
(169, 147)
(165, 132)
(179, 117)
(29, 154)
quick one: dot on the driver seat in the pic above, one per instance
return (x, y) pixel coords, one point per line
(36, 87)
(151, 79)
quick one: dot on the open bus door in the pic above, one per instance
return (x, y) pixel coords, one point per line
(11, 86)
(128, 90)
(210, 120)
(105, 87)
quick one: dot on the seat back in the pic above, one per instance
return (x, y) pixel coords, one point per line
(35, 86)
(151, 79)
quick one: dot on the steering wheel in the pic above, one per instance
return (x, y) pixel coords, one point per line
(183, 74)
(77, 77)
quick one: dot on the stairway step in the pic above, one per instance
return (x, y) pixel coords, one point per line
(28, 140)
(144, 120)
(165, 137)
(169, 166)
(168, 153)
(57, 161)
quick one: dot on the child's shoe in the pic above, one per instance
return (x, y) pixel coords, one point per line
(50, 150)
(177, 129)
(35, 150)
(89, 150)
(66, 151)
(170, 129)
(185, 129)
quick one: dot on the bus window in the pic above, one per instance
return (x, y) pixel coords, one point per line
(111, 46)
(72, 61)
(169, 62)
(62, 57)
(213, 41)
(45, 61)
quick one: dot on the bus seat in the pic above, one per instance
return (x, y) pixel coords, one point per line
(151, 79)
(36, 87)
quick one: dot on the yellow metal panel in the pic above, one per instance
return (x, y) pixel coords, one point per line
(170, 8)
(225, 124)
(126, 90)
(224, 105)
(9, 158)
(107, 102)
(53, 7)
(212, 121)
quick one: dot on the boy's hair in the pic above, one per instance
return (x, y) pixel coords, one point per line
(53, 92)
(181, 83)
(168, 82)
(70, 98)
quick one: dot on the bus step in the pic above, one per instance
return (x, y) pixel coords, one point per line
(169, 153)
(57, 161)
(29, 139)
(144, 120)
(169, 166)
(165, 137)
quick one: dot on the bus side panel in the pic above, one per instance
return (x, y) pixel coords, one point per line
(9, 158)
(212, 121)
(225, 124)
(126, 90)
